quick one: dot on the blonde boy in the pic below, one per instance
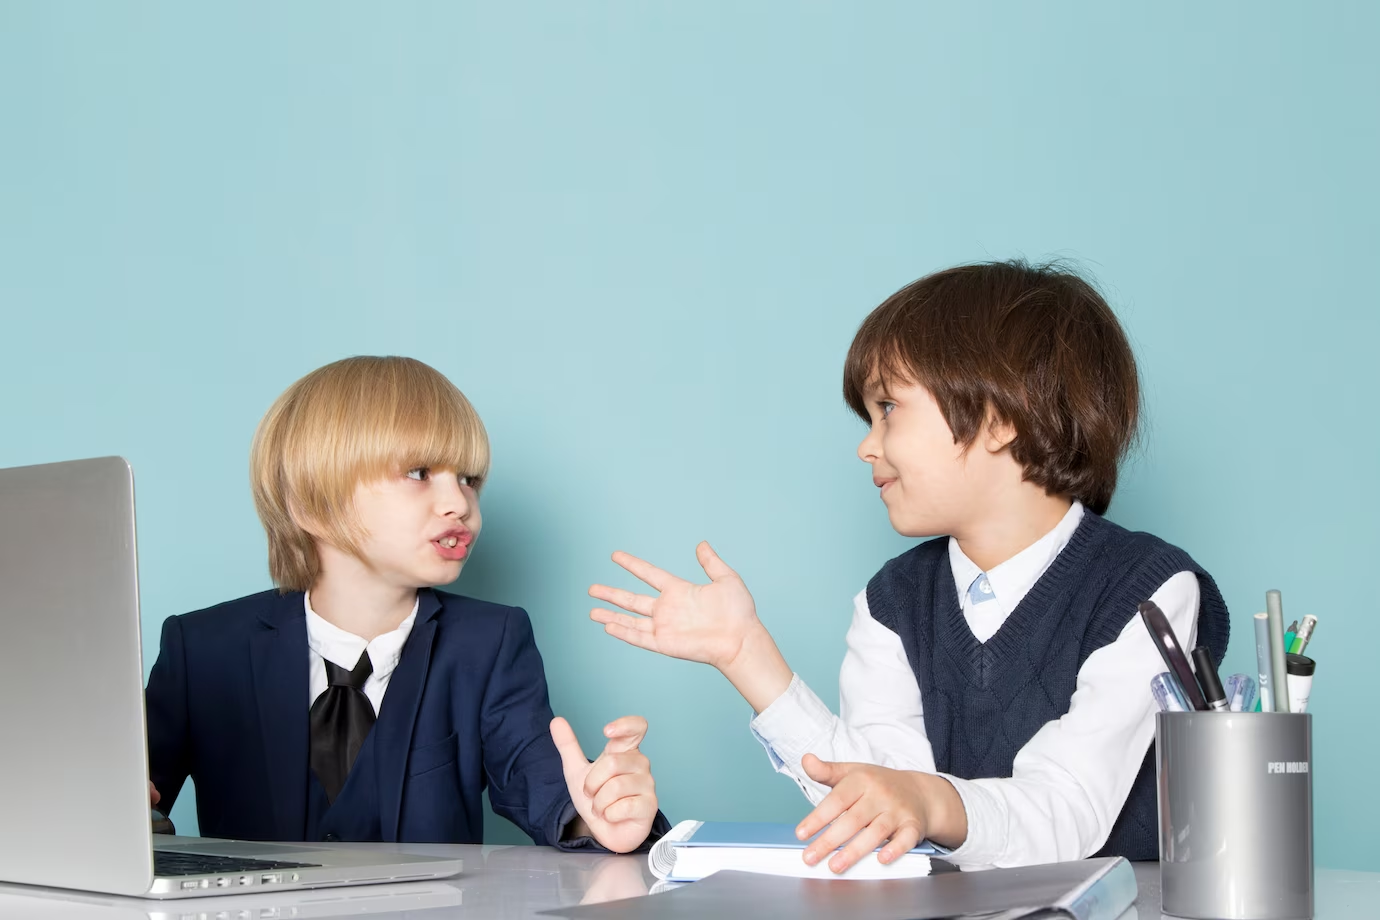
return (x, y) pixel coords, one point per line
(356, 702)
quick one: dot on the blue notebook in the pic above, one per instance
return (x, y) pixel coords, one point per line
(766, 834)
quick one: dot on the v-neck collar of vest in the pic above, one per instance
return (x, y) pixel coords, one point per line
(1010, 640)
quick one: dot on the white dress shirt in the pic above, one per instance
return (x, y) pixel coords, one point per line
(1070, 780)
(328, 642)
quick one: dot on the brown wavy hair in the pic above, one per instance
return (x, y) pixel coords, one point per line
(1035, 344)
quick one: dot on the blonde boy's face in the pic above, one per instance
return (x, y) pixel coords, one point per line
(420, 526)
(930, 485)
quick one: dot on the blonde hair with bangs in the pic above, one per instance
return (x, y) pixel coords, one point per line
(357, 420)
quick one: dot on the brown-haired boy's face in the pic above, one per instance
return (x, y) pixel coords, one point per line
(929, 484)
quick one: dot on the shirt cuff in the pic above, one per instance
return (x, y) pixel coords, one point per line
(792, 725)
(986, 822)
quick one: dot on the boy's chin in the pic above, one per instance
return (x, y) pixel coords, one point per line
(441, 576)
(914, 526)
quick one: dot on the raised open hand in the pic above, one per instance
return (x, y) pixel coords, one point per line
(707, 623)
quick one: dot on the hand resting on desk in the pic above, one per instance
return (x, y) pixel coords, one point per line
(871, 804)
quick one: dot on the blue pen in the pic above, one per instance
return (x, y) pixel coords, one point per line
(1168, 696)
(1241, 691)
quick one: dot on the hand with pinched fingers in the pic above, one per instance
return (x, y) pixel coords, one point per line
(706, 623)
(615, 796)
(870, 806)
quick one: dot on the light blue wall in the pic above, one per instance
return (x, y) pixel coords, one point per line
(640, 236)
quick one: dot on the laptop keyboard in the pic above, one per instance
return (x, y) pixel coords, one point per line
(170, 863)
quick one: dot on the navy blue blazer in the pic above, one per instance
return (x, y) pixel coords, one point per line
(228, 700)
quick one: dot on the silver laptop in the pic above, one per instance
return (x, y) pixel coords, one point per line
(402, 901)
(74, 764)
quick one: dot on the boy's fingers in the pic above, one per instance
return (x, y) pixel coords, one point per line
(709, 560)
(620, 787)
(637, 603)
(629, 634)
(153, 794)
(867, 840)
(833, 805)
(903, 840)
(611, 765)
(839, 832)
(626, 620)
(625, 734)
(573, 759)
(645, 570)
(629, 808)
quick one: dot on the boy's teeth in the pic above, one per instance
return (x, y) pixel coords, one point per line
(450, 541)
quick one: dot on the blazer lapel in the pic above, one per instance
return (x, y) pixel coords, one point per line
(278, 653)
(393, 731)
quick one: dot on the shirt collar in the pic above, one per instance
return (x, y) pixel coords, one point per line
(343, 648)
(1013, 579)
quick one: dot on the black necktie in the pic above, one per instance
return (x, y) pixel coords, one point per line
(340, 721)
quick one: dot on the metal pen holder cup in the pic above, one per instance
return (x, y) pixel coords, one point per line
(1236, 814)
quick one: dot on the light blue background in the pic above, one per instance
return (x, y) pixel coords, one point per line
(640, 236)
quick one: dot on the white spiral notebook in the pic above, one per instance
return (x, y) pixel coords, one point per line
(695, 849)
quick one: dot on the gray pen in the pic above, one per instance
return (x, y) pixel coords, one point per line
(1263, 663)
(1274, 606)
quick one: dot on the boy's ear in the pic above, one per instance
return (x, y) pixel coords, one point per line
(997, 432)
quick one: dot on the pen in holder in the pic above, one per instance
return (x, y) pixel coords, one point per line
(1236, 814)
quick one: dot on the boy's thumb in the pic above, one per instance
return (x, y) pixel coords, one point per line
(822, 771)
(709, 560)
(572, 755)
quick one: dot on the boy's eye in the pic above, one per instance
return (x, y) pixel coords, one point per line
(466, 480)
(886, 407)
(421, 474)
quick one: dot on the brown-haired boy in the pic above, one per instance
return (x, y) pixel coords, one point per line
(994, 697)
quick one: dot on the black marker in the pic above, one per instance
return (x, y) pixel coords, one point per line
(1163, 636)
(1207, 679)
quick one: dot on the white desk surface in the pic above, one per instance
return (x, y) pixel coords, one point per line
(516, 882)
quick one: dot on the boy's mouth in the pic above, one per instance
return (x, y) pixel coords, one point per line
(453, 544)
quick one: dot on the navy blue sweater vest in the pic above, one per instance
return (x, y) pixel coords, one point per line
(984, 701)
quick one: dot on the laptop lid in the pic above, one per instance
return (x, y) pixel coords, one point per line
(75, 770)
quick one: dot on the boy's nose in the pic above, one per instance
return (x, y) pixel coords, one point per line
(869, 451)
(451, 499)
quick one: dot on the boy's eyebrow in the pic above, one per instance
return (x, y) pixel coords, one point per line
(877, 389)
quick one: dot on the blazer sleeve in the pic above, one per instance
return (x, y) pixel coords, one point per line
(165, 704)
(526, 780)
(523, 768)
